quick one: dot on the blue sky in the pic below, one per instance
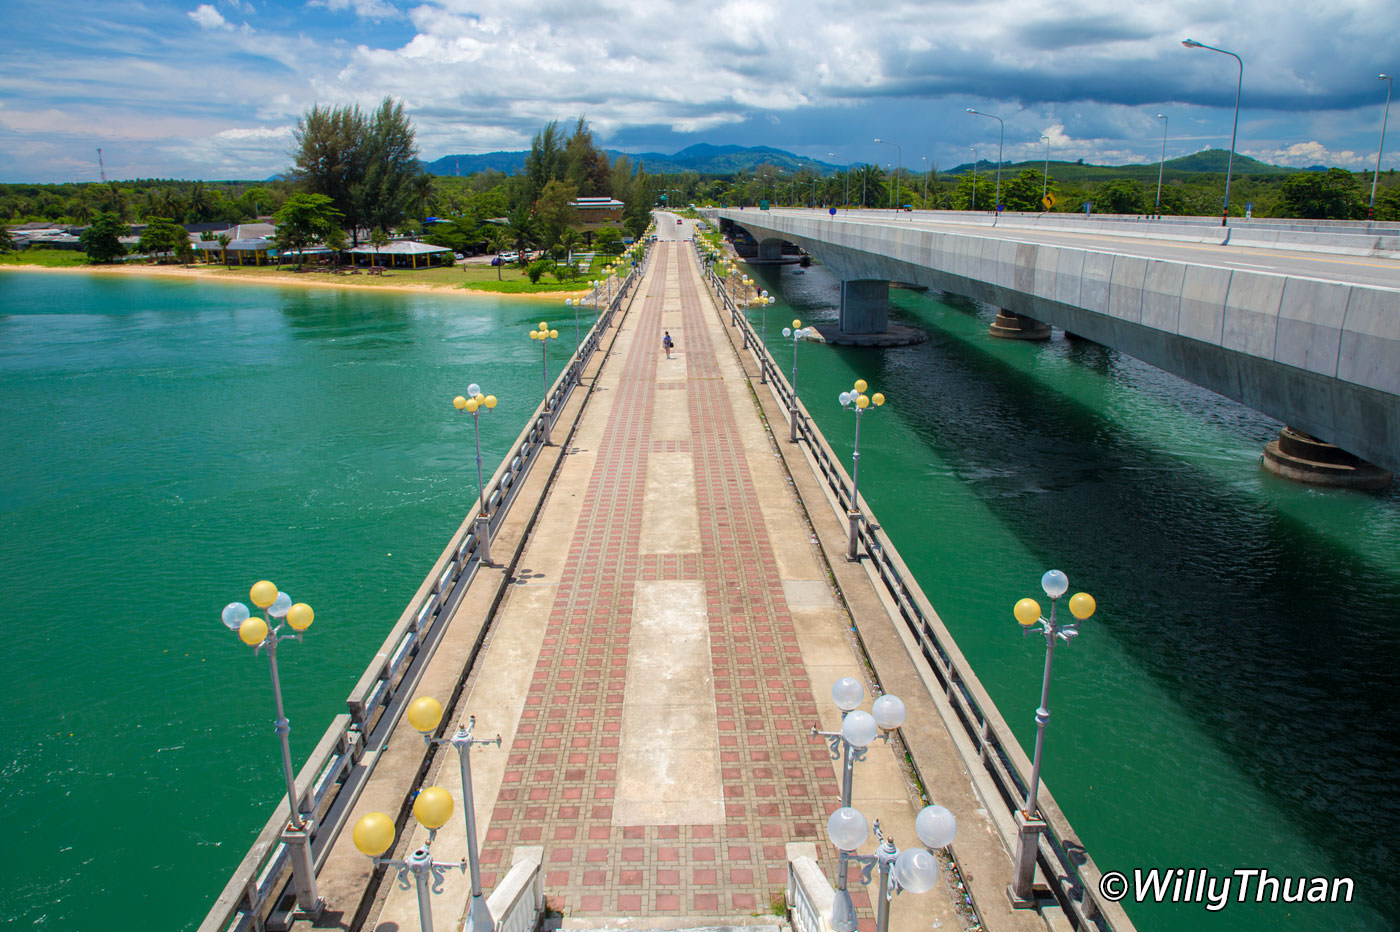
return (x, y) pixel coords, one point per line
(213, 89)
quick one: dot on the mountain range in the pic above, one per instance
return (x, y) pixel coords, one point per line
(707, 159)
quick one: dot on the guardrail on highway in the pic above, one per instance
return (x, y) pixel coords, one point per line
(331, 780)
(988, 746)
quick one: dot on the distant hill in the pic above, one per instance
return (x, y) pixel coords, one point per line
(702, 157)
(707, 159)
(1211, 161)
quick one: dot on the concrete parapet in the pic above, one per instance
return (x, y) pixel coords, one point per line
(1322, 355)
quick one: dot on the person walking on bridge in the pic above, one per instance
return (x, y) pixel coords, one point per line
(668, 344)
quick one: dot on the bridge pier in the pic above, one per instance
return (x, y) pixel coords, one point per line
(1012, 326)
(865, 318)
(770, 250)
(1303, 458)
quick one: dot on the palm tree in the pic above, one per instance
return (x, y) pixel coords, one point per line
(378, 239)
(223, 240)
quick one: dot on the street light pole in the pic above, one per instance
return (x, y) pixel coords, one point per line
(859, 401)
(1045, 176)
(798, 334)
(1390, 83)
(1001, 147)
(898, 167)
(544, 335)
(374, 835)
(263, 634)
(472, 403)
(1027, 611)
(1230, 165)
(936, 827)
(424, 714)
(1161, 164)
(974, 176)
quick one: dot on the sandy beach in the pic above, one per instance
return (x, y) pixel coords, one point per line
(299, 279)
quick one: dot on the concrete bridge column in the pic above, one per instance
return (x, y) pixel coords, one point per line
(865, 317)
(1010, 326)
(1303, 458)
(865, 306)
(770, 250)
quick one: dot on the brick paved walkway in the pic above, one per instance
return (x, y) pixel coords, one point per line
(560, 781)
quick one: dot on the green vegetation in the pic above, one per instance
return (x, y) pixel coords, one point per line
(366, 165)
(100, 239)
(305, 219)
(48, 258)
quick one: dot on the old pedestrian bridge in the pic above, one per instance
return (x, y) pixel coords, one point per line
(1300, 322)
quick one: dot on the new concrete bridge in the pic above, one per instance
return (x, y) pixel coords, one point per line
(1299, 322)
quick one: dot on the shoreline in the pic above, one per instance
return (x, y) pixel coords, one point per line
(295, 279)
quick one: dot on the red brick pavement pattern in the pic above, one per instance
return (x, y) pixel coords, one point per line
(561, 771)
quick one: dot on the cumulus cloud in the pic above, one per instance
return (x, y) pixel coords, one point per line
(365, 9)
(655, 75)
(1312, 152)
(207, 17)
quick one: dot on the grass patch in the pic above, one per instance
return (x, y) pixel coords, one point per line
(49, 258)
(525, 286)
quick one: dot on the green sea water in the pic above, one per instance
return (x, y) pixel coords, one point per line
(165, 444)
(1233, 704)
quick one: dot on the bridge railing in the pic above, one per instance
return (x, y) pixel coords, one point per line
(330, 782)
(988, 744)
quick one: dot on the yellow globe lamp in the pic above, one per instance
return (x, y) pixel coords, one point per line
(489, 401)
(300, 616)
(877, 399)
(797, 325)
(534, 334)
(1027, 612)
(433, 807)
(253, 632)
(471, 405)
(862, 401)
(424, 714)
(263, 593)
(554, 334)
(374, 833)
(544, 326)
(860, 385)
(460, 403)
(1082, 605)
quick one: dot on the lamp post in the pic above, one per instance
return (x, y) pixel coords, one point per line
(1001, 144)
(374, 834)
(764, 300)
(1385, 118)
(424, 714)
(798, 333)
(472, 403)
(1161, 164)
(846, 827)
(913, 869)
(1029, 825)
(1230, 165)
(266, 633)
(858, 401)
(898, 167)
(974, 176)
(578, 338)
(858, 728)
(544, 335)
(1045, 176)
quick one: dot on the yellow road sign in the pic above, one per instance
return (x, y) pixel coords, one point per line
(1048, 200)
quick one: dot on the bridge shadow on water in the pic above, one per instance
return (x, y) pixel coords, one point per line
(1259, 608)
